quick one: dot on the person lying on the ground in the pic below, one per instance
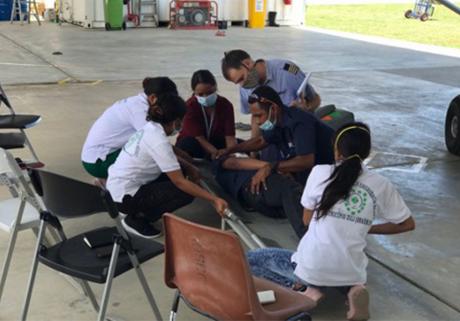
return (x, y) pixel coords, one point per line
(115, 126)
(146, 180)
(257, 185)
(209, 124)
(341, 203)
(299, 139)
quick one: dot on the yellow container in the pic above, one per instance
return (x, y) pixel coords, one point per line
(257, 13)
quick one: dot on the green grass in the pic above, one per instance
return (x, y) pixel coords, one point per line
(387, 20)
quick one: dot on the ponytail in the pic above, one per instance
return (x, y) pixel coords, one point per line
(353, 142)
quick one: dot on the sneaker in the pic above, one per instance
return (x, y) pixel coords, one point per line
(358, 299)
(140, 227)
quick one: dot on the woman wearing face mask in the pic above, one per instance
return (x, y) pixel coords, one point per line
(146, 180)
(209, 124)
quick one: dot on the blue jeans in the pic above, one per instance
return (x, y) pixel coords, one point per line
(274, 264)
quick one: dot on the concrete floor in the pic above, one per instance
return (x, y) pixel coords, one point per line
(402, 94)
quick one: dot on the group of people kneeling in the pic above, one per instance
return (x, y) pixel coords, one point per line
(304, 172)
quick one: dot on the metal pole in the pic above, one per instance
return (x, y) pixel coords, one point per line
(11, 244)
(248, 237)
(33, 272)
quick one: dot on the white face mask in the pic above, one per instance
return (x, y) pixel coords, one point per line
(208, 101)
(268, 124)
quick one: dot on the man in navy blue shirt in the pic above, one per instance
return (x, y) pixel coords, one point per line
(301, 142)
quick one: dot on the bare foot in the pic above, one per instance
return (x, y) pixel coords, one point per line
(358, 298)
(314, 294)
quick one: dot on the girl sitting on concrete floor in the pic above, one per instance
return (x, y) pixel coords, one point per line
(209, 124)
(116, 125)
(340, 203)
(146, 179)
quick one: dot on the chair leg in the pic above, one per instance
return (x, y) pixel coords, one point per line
(54, 235)
(90, 294)
(29, 145)
(11, 244)
(145, 286)
(108, 282)
(33, 272)
(175, 306)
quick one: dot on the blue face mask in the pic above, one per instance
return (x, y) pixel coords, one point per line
(268, 124)
(207, 101)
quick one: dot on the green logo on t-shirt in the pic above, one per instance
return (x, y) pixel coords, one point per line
(132, 146)
(357, 200)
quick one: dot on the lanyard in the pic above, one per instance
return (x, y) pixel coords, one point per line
(207, 124)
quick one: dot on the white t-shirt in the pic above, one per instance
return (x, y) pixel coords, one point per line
(331, 253)
(114, 127)
(146, 155)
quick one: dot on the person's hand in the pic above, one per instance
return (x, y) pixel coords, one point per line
(220, 205)
(214, 154)
(306, 219)
(221, 153)
(302, 103)
(193, 173)
(259, 178)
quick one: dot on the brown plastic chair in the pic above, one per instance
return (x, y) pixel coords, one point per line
(208, 268)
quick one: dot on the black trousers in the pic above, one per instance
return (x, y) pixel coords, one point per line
(281, 199)
(154, 199)
(191, 146)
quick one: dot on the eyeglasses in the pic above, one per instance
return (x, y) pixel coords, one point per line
(254, 98)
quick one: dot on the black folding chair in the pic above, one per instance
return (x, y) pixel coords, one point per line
(19, 212)
(17, 139)
(68, 198)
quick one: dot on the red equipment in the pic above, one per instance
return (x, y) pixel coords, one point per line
(185, 14)
(287, 2)
(131, 16)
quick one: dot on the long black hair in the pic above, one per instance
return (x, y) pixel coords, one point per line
(168, 108)
(353, 142)
(159, 85)
(203, 76)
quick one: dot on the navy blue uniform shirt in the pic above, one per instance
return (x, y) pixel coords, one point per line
(300, 133)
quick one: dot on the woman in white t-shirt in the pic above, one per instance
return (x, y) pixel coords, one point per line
(341, 203)
(146, 180)
(114, 127)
